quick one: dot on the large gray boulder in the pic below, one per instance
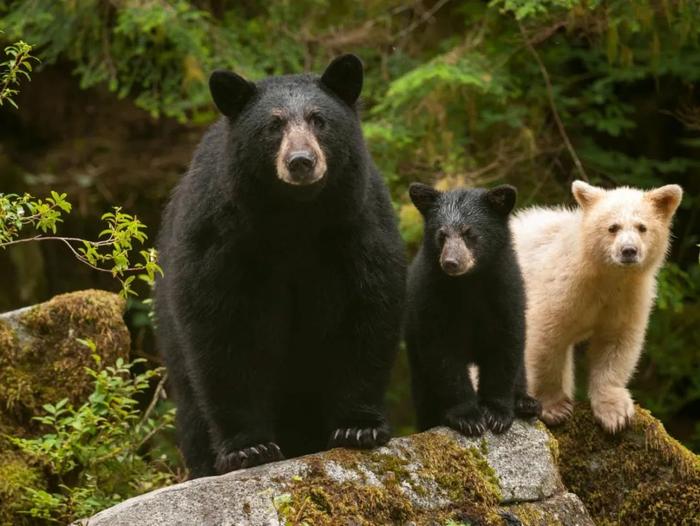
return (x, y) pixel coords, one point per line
(428, 478)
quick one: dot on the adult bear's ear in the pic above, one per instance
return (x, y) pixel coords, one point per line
(423, 196)
(343, 76)
(666, 199)
(230, 92)
(502, 198)
(586, 194)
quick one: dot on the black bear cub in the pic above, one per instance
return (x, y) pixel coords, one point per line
(279, 312)
(466, 306)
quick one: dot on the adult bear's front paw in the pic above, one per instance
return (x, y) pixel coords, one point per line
(247, 457)
(467, 419)
(360, 436)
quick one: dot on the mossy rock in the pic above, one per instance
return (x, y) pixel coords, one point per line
(41, 359)
(639, 476)
(434, 478)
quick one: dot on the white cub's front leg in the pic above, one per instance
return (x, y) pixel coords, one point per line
(550, 377)
(612, 357)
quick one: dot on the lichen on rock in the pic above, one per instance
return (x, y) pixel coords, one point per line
(391, 487)
(639, 476)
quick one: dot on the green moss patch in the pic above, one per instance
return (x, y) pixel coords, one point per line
(381, 488)
(41, 359)
(640, 476)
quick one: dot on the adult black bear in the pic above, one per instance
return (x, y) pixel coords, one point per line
(466, 306)
(279, 312)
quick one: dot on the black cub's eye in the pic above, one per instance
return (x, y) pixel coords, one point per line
(642, 228)
(317, 121)
(441, 235)
(468, 233)
(613, 228)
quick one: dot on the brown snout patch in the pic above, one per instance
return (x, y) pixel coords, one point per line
(456, 258)
(299, 140)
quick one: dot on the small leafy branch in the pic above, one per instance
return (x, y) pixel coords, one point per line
(111, 252)
(18, 65)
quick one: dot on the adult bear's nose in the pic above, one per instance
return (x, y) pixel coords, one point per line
(301, 164)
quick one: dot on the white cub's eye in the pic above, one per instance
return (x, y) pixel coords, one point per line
(613, 228)
(642, 228)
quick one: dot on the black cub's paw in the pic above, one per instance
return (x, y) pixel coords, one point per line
(363, 437)
(497, 419)
(467, 419)
(527, 407)
(247, 457)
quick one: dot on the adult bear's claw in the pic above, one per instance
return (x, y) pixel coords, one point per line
(248, 457)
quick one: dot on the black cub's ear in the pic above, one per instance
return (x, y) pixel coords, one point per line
(343, 76)
(230, 92)
(423, 196)
(502, 198)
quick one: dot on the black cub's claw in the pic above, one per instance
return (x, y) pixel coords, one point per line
(248, 457)
(497, 419)
(527, 407)
(468, 420)
(360, 437)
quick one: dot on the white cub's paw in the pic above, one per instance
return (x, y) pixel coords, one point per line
(555, 411)
(613, 408)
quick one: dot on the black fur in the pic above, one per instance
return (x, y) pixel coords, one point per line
(279, 313)
(477, 318)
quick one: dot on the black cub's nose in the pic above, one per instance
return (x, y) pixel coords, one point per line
(629, 252)
(300, 164)
(450, 265)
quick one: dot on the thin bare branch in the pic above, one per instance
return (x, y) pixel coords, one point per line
(553, 106)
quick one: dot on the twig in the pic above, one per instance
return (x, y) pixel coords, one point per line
(154, 400)
(426, 16)
(550, 96)
(67, 241)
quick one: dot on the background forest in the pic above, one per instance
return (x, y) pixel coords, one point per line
(535, 93)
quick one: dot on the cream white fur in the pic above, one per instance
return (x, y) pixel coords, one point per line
(579, 288)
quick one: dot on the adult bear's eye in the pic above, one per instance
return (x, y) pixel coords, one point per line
(317, 121)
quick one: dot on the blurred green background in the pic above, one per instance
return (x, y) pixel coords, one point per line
(456, 92)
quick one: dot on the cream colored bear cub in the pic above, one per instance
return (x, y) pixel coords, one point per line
(590, 274)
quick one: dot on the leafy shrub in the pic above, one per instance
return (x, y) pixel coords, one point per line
(100, 453)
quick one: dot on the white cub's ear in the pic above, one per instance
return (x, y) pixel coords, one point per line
(586, 194)
(423, 196)
(666, 198)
